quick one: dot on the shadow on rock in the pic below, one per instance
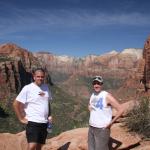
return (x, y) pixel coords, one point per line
(113, 142)
(65, 146)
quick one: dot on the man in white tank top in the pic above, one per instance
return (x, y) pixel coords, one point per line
(100, 121)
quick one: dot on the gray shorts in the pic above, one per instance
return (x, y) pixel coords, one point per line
(98, 138)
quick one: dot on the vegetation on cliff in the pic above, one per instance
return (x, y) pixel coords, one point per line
(138, 119)
(67, 114)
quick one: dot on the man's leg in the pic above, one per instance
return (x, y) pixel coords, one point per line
(39, 146)
(101, 139)
(36, 134)
(34, 146)
(91, 140)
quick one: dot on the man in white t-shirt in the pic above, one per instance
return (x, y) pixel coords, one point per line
(32, 107)
(100, 106)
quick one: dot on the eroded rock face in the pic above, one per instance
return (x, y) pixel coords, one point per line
(90, 65)
(15, 70)
(126, 67)
(132, 66)
(75, 139)
(146, 56)
(14, 52)
(16, 64)
(13, 141)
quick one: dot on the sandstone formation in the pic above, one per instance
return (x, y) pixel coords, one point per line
(75, 139)
(16, 66)
(15, 70)
(113, 63)
(13, 141)
(129, 66)
(146, 56)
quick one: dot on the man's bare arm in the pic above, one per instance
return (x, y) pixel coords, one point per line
(19, 110)
(117, 106)
(50, 119)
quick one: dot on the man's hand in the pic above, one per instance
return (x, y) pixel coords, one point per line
(109, 126)
(24, 121)
(50, 119)
(19, 110)
(89, 107)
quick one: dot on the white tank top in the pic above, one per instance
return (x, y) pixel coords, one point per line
(101, 114)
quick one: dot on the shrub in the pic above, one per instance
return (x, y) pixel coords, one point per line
(4, 58)
(138, 120)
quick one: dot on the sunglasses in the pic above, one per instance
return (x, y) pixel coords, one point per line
(98, 83)
(99, 78)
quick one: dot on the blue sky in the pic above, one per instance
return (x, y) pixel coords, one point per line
(75, 27)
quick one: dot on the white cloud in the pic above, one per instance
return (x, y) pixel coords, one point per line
(23, 20)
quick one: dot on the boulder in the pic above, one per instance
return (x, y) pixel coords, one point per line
(75, 139)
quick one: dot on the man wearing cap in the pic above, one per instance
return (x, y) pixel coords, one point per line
(100, 121)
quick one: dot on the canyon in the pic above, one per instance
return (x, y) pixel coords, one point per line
(126, 75)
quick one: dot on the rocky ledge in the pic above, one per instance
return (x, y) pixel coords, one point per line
(75, 139)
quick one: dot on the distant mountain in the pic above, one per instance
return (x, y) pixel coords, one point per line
(15, 69)
(72, 80)
(16, 66)
(127, 59)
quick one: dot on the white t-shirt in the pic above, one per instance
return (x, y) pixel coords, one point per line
(36, 106)
(101, 114)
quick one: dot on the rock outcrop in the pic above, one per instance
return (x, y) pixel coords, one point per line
(126, 68)
(113, 63)
(146, 56)
(75, 139)
(15, 70)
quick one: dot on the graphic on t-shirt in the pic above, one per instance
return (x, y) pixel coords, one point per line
(97, 103)
(41, 93)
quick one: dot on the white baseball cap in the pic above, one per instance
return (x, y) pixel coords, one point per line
(98, 78)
